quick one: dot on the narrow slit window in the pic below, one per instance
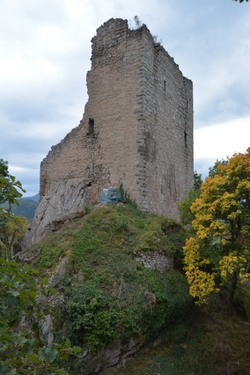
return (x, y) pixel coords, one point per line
(185, 138)
(165, 86)
(91, 126)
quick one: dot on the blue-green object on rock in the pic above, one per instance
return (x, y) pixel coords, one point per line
(110, 195)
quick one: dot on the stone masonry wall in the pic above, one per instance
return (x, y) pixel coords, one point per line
(166, 129)
(156, 261)
(136, 130)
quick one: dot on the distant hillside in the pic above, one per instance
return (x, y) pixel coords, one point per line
(26, 207)
(33, 198)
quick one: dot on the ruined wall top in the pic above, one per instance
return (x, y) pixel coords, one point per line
(109, 35)
(116, 31)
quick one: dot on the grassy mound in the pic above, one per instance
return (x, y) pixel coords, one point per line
(107, 294)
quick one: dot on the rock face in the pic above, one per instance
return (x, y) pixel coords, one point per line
(137, 130)
(113, 357)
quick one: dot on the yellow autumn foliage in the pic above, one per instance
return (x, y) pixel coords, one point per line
(220, 247)
(11, 232)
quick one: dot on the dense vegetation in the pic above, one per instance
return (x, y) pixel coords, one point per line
(22, 352)
(12, 228)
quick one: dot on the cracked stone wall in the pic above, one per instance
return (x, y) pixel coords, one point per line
(137, 129)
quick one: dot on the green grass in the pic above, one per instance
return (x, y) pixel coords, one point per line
(106, 235)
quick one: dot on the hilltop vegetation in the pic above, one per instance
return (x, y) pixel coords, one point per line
(108, 295)
(88, 286)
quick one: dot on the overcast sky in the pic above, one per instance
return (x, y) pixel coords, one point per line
(45, 52)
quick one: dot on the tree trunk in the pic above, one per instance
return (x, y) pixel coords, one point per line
(232, 289)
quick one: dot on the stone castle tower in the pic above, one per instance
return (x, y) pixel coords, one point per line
(137, 130)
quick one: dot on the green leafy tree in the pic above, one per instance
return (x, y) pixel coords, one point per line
(197, 181)
(218, 252)
(184, 206)
(10, 188)
(241, 1)
(214, 169)
(21, 352)
(3, 168)
(12, 228)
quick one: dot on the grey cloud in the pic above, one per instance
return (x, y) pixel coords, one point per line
(28, 177)
(232, 102)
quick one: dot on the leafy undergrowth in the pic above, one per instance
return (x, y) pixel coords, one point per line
(210, 341)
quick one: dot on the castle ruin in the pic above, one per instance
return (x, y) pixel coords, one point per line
(137, 130)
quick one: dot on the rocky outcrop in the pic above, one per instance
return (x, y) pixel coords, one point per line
(64, 198)
(113, 357)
